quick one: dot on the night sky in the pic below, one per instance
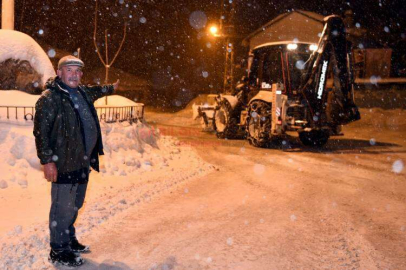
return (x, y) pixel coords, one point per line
(162, 44)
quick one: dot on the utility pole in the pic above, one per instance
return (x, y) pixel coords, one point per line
(7, 15)
(227, 28)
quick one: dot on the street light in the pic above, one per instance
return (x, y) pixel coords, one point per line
(225, 34)
(214, 30)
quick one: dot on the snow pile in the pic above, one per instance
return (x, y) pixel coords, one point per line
(129, 149)
(115, 101)
(139, 164)
(17, 45)
(17, 98)
(383, 119)
(19, 163)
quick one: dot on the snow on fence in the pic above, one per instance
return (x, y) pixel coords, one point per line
(131, 114)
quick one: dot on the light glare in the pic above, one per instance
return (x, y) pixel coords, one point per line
(292, 46)
(214, 30)
(313, 47)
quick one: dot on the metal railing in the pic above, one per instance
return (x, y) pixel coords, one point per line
(131, 114)
(120, 114)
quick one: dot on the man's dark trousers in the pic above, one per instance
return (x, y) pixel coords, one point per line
(67, 199)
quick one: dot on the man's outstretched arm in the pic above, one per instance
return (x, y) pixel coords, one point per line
(98, 91)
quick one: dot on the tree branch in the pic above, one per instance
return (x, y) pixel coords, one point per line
(94, 37)
(121, 45)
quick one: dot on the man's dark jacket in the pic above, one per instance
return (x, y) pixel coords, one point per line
(59, 134)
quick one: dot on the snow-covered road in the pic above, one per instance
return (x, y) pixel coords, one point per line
(203, 203)
(286, 207)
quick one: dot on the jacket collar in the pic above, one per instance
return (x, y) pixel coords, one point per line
(56, 84)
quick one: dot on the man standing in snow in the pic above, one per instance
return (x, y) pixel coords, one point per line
(68, 140)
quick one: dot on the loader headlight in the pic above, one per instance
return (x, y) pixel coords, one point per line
(292, 46)
(313, 47)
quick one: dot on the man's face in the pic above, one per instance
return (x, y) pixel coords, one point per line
(70, 75)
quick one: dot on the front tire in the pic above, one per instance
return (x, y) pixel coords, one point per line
(259, 124)
(224, 123)
(314, 138)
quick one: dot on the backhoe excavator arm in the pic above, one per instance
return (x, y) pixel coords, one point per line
(330, 107)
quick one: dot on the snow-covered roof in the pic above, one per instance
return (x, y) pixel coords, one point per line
(297, 26)
(17, 45)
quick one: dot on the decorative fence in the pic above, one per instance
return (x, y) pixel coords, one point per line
(108, 114)
(120, 114)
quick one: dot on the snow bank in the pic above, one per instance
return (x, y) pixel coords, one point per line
(115, 101)
(17, 98)
(139, 163)
(17, 45)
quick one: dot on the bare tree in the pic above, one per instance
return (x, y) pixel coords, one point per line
(106, 62)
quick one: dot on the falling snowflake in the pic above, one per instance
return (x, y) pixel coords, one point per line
(230, 241)
(293, 217)
(51, 53)
(397, 166)
(300, 64)
(259, 169)
(198, 19)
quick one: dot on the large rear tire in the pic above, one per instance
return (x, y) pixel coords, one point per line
(259, 123)
(225, 123)
(314, 138)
